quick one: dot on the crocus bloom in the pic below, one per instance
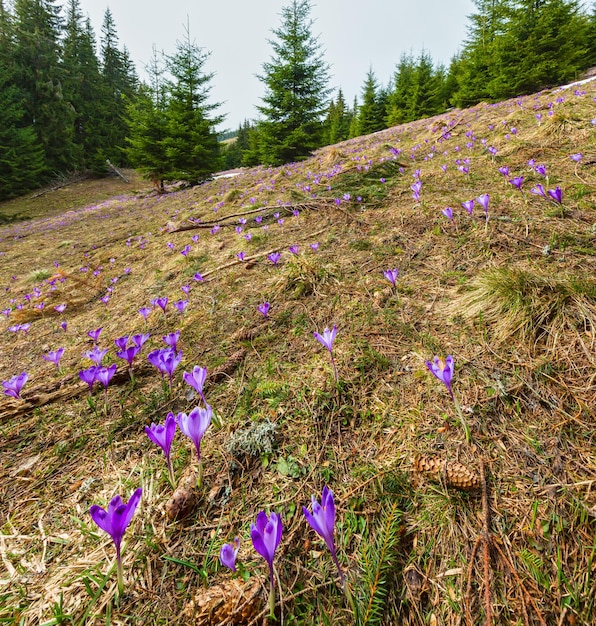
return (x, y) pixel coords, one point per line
(263, 308)
(468, 206)
(293, 249)
(171, 339)
(198, 277)
(54, 356)
(195, 424)
(322, 521)
(89, 376)
(94, 334)
(540, 169)
(162, 435)
(327, 338)
(576, 157)
(140, 339)
(96, 355)
(13, 386)
(115, 521)
(105, 374)
(144, 311)
(274, 257)
(181, 305)
(120, 342)
(556, 194)
(196, 379)
(443, 371)
(448, 213)
(538, 190)
(504, 170)
(517, 181)
(60, 308)
(162, 303)
(315, 246)
(266, 535)
(391, 275)
(228, 553)
(483, 201)
(128, 354)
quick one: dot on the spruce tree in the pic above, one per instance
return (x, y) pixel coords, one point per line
(296, 89)
(399, 99)
(119, 84)
(148, 127)
(21, 155)
(425, 99)
(39, 77)
(82, 88)
(337, 122)
(372, 110)
(191, 143)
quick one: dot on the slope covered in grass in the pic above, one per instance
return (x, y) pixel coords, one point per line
(512, 299)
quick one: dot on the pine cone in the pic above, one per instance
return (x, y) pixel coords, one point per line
(227, 368)
(452, 473)
(230, 602)
(185, 498)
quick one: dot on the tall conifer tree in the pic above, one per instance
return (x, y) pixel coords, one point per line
(296, 89)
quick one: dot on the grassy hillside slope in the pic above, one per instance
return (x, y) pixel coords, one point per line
(433, 527)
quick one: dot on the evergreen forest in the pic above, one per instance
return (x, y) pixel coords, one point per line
(72, 103)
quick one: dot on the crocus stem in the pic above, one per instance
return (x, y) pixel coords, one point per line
(350, 598)
(200, 474)
(342, 578)
(334, 367)
(462, 419)
(171, 473)
(271, 597)
(132, 377)
(120, 574)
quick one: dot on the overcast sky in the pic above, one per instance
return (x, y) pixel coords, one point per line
(355, 36)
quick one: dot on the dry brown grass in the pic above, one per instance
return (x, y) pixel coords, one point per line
(513, 303)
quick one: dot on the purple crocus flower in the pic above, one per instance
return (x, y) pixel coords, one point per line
(195, 424)
(274, 257)
(443, 371)
(196, 379)
(327, 339)
(180, 306)
(540, 169)
(315, 246)
(228, 554)
(266, 536)
(391, 275)
(576, 157)
(162, 303)
(185, 250)
(144, 311)
(105, 374)
(140, 339)
(96, 355)
(89, 376)
(263, 308)
(54, 357)
(483, 201)
(13, 386)
(128, 354)
(517, 181)
(556, 194)
(293, 249)
(240, 256)
(504, 170)
(171, 339)
(448, 213)
(166, 361)
(162, 435)
(538, 190)
(468, 205)
(94, 334)
(64, 326)
(121, 342)
(115, 521)
(322, 521)
(60, 308)
(198, 277)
